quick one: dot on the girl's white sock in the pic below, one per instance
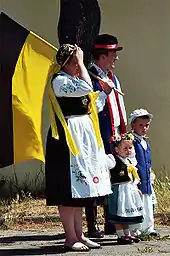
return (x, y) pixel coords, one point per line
(120, 233)
(127, 232)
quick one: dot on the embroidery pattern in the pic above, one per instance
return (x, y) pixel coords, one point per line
(138, 209)
(121, 173)
(85, 101)
(67, 88)
(96, 180)
(79, 176)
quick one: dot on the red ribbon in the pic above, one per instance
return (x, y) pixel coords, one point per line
(110, 110)
(106, 46)
(122, 122)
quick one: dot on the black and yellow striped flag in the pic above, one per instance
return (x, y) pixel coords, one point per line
(26, 64)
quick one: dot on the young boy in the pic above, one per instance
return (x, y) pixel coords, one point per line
(140, 120)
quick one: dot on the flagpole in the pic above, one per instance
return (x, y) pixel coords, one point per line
(43, 40)
(100, 79)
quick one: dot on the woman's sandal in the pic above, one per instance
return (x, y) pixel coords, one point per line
(91, 244)
(77, 247)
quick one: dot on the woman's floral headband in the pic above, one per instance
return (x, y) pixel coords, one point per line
(120, 137)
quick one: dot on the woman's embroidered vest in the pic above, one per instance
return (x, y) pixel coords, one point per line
(73, 105)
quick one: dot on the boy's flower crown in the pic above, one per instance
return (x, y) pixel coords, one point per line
(122, 136)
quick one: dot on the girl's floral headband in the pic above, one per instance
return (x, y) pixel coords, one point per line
(120, 137)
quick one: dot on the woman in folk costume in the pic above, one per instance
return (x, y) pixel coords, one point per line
(76, 169)
(125, 204)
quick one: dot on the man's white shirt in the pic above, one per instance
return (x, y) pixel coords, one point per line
(112, 98)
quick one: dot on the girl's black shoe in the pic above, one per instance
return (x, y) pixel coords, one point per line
(135, 239)
(124, 240)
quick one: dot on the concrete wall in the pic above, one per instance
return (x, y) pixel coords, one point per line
(142, 27)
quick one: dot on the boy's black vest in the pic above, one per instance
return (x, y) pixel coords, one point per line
(119, 173)
(73, 105)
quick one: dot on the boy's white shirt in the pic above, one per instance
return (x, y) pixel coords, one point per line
(142, 141)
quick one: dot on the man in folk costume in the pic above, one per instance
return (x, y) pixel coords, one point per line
(112, 118)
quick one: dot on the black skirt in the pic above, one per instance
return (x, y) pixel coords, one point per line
(57, 174)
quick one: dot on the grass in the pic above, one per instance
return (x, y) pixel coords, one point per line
(162, 190)
(13, 212)
(147, 249)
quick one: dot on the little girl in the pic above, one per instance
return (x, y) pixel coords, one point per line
(125, 204)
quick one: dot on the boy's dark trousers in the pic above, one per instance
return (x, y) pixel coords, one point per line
(91, 218)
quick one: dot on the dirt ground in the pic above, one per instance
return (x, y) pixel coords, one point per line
(50, 242)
